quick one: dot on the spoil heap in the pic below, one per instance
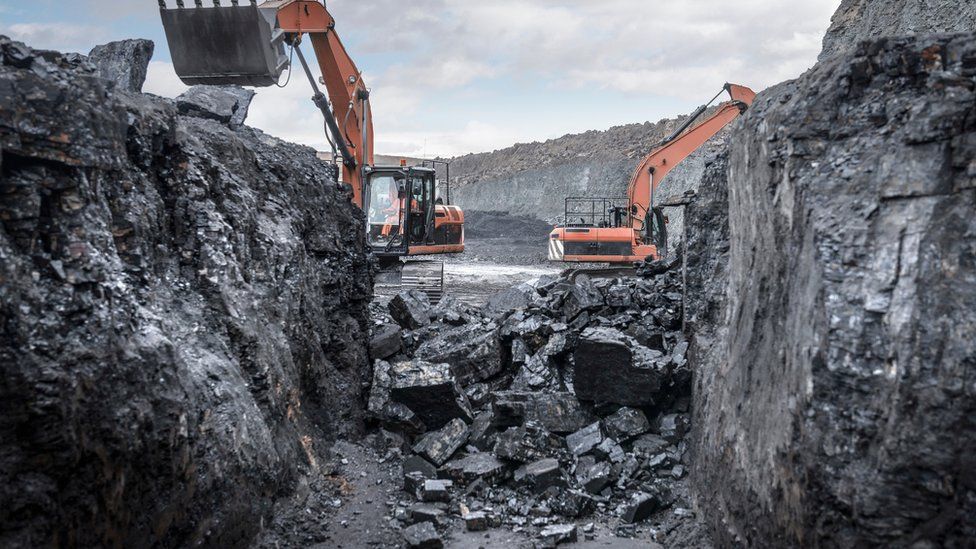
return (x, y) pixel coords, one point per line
(182, 305)
(563, 401)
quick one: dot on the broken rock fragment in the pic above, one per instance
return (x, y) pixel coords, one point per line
(584, 440)
(434, 491)
(422, 535)
(473, 351)
(474, 467)
(595, 477)
(557, 412)
(582, 297)
(438, 446)
(125, 62)
(540, 475)
(672, 427)
(410, 309)
(625, 424)
(430, 391)
(383, 408)
(556, 534)
(611, 367)
(639, 508)
(527, 443)
(476, 521)
(225, 104)
(649, 445)
(385, 342)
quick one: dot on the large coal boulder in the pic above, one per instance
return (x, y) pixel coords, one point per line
(612, 368)
(473, 351)
(183, 315)
(836, 406)
(125, 63)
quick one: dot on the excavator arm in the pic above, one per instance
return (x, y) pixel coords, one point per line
(670, 152)
(245, 45)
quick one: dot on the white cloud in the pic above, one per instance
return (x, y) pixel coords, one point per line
(161, 80)
(56, 36)
(430, 50)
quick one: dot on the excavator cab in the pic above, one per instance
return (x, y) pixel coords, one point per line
(225, 44)
(400, 209)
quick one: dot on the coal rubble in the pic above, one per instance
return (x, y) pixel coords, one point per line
(569, 406)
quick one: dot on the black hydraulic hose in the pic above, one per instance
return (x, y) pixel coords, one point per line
(323, 104)
(691, 119)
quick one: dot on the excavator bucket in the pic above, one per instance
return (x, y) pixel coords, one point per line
(225, 44)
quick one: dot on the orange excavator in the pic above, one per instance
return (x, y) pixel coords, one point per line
(247, 43)
(602, 230)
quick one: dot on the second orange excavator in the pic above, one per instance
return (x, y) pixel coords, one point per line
(603, 230)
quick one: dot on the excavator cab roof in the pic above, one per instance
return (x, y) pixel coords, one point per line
(221, 45)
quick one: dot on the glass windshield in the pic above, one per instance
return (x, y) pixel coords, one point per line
(384, 213)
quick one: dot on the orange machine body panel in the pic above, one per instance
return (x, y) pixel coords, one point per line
(448, 232)
(597, 245)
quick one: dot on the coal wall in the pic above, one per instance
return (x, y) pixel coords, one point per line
(182, 315)
(833, 316)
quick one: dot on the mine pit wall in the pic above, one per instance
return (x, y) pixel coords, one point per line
(183, 314)
(834, 336)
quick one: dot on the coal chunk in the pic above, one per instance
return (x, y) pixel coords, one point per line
(508, 300)
(473, 351)
(527, 443)
(424, 513)
(434, 491)
(474, 467)
(611, 450)
(641, 506)
(430, 391)
(476, 521)
(225, 104)
(483, 431)
(583, 297)
(595, 477)
(438, 446)
(385, 342)
(540, 475)
(410, 309)
(585, 440)
(556, 534)
(649, 445)
(557, 412)
(419, 466)
(125, 62)
(672, 427)
(611, 367)
(571, 503)
(383, 408)
(422, 535)
(625, 424)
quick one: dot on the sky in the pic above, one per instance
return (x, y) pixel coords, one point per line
(449, 77)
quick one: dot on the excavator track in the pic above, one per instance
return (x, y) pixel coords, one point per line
(426, 276)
